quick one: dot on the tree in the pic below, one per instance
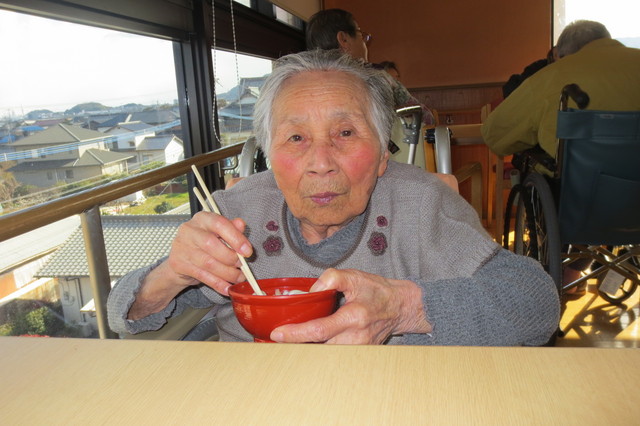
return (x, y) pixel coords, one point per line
(8, 185)
(35, 317)
(163, 207)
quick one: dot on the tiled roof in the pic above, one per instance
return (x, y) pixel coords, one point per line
(32, 166)
(131, 126)
(234, 93)
(36, 243)
(155, 117)
(154, 143)
(59, 134)
(49, 122)
(92, 157)
(131, 241)
(110, 120)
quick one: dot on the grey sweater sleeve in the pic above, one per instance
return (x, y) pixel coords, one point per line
(509, 301)
(124, 293)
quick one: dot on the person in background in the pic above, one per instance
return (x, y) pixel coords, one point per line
(587, 55)
(390, 67)
(337, 29)
(408, 254)
(604, 68)
(516, 79)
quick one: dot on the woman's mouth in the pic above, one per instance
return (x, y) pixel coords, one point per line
(323, 198)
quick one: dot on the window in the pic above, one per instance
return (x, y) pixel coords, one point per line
(619, 16)
(100, 78)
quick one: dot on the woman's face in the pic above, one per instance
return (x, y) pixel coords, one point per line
(325, 155)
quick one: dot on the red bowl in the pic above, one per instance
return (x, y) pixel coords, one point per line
(259, 315)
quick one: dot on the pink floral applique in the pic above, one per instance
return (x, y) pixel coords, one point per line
(377, 243)
(272, 226)
(273, 246)
(382, 221)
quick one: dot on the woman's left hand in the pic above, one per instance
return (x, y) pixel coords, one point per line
(375, 308)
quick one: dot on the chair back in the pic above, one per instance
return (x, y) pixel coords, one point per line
(600, 177)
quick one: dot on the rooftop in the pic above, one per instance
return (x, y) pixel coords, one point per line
(59, 134)
(131, 241)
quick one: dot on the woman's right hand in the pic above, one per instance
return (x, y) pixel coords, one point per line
(198, 254)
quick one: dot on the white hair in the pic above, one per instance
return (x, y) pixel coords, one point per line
(578, 34)
(379, 94)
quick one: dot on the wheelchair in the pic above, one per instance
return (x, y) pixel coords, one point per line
(584, 206)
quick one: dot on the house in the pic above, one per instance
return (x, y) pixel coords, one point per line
(168, 149)
(128, 135)
(140, 138)
(64, 153)
(23, 256)
(101, 122)
(51, 122)
(131, 242)
(159, 116)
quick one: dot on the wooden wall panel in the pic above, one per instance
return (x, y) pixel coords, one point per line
(454, 42)
(461, 104)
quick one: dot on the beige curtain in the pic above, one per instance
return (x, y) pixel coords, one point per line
(301, 8)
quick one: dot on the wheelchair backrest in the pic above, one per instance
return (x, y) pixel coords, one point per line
(600, 179)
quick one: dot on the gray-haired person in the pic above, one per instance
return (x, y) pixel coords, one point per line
(408, 255)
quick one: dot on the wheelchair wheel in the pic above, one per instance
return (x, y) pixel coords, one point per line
(535, 225)
(508, 230)
(616, 288)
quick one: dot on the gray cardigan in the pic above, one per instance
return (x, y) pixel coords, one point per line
(416, 228)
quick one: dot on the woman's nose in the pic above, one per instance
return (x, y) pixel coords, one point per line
(321, 157)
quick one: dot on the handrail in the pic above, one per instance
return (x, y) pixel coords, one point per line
(17, 223)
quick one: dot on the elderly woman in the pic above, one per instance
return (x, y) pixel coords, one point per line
(408, 254)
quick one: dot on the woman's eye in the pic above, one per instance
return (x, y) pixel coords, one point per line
(346, 133)
(295, 138)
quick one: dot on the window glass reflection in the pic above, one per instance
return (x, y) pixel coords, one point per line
(239, 79)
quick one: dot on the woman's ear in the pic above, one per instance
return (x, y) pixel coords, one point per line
(382, 167)
(343, 41)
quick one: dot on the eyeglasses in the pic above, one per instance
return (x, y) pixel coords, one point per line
(366, 37)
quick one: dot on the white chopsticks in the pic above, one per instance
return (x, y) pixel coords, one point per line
(208, 205)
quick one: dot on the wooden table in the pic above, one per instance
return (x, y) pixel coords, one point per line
(75, 381)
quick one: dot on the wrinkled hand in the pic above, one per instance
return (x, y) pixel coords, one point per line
(375, 308)
(198, 253)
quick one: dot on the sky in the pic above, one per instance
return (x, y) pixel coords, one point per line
(48, 64)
